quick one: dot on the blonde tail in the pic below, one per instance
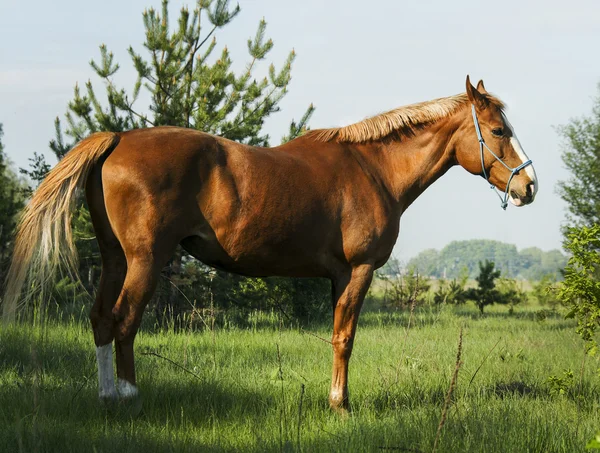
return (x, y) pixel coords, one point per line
(44, 241)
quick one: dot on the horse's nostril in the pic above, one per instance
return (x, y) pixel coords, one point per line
(531, 189)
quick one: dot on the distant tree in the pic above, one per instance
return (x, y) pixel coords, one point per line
(510, 292)
(530, 264)
(581, 156)
(11, 202)
(544, 291)
(537, 264)
(428, 263)
(392, 268)
(491, 289)
(402, 289)
(485, 293)
(452, 291)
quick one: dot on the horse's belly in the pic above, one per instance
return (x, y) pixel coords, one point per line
(259, 261)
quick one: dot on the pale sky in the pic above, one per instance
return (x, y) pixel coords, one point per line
(355, 59)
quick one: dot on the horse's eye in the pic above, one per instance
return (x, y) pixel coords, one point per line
(498, 132)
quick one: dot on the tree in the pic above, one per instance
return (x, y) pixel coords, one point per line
(486, 292)
(580, 291)
(491, 289)
(544, 292)
(189, 85)
(581, 156)
(11, 202)
(402, 291)
(428, 263)
(453, 291)
(530, 263)
(510, 292)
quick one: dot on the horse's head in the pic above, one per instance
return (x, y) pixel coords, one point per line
(487, 146)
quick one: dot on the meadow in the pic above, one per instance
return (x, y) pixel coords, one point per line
(264, 387)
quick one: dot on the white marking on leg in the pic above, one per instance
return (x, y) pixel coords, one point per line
(126, 389)
(106, 377)
(336, 395)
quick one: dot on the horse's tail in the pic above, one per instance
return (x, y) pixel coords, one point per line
(44, 241)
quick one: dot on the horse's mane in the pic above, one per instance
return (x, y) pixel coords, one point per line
(401, 121)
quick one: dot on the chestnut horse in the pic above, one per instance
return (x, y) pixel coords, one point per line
(327, 204)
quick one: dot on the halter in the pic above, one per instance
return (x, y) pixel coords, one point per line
(513, 171)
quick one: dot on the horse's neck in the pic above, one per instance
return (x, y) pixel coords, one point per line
(411, 165)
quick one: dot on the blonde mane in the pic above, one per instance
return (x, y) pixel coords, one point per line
(401, 121)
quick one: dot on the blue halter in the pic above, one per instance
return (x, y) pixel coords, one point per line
(513, 171)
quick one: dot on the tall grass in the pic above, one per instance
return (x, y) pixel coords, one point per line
(264, 388)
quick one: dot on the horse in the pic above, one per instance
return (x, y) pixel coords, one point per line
(326, 204)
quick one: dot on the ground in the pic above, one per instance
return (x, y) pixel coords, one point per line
(264, 388)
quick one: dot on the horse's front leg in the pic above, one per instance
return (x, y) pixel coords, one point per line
(349, 293)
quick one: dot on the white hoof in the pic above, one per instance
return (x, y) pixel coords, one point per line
(126, 389)
(108, 395)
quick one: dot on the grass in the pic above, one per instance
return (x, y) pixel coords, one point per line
(265, 388)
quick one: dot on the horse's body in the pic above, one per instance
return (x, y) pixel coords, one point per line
(288, 211)
(327, 204)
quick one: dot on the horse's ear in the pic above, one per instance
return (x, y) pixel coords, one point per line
(481, 87)
(476, 98)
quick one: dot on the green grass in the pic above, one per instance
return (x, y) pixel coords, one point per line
(237, 401)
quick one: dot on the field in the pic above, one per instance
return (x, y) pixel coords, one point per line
(265, 388)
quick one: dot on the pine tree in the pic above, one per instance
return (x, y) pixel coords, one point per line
(486, 292)
(189, 86)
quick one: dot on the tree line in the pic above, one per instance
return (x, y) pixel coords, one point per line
(463, 256)
(406, 288)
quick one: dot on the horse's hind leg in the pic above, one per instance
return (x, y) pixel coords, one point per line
(145, 222)
(131, 284)
(146, 256)
(142, 276)
(114, 268)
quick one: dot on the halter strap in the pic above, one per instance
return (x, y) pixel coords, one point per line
(513, 171)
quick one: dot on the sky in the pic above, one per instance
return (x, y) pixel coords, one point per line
(354, 59)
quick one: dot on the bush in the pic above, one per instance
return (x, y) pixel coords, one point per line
(580, 292)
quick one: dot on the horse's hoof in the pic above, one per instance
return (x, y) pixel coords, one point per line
(343, 412)
(108, 397)
(340, 406)
(126, 390)
(130, 401)
(131, 406)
